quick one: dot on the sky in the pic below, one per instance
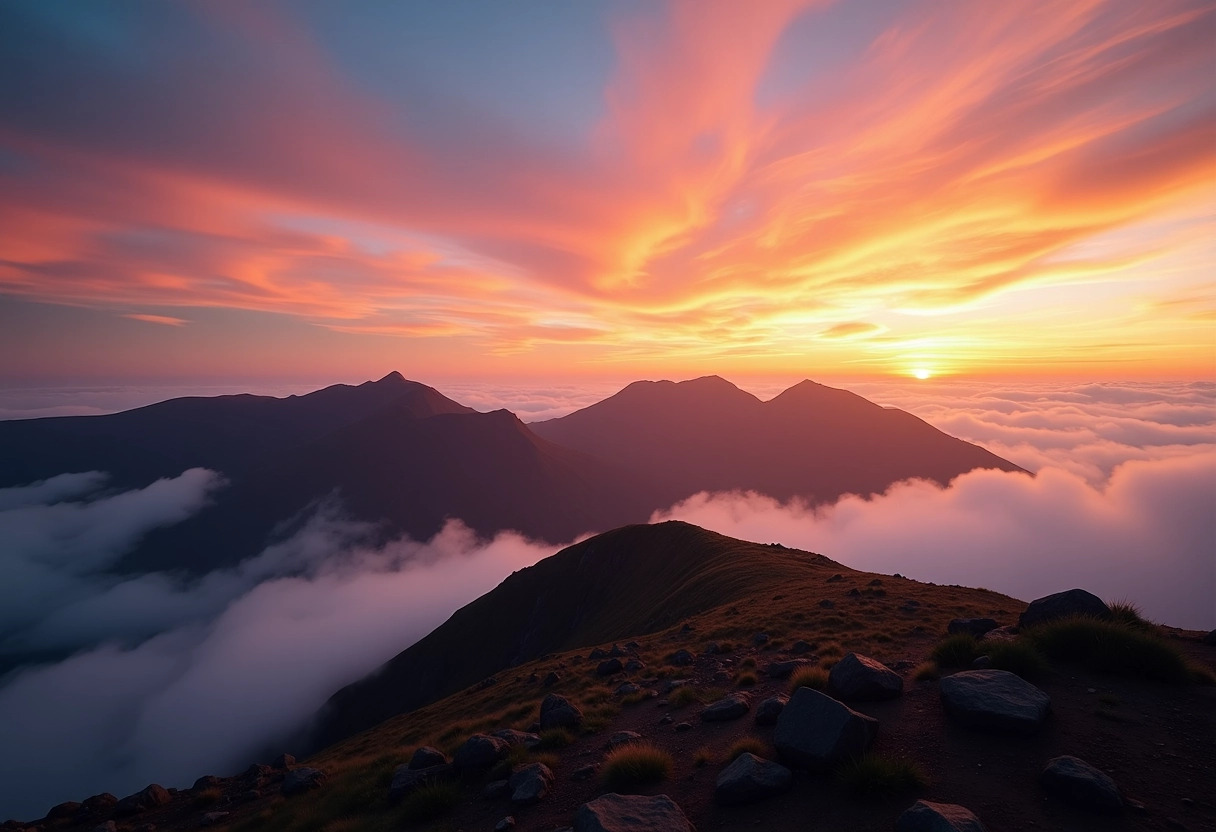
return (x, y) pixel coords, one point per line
(199, 193)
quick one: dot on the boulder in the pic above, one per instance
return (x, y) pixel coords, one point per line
(609, 666)
(407, 780)
(994, 700)
(974, 626)
(513, 737)
(785, 669)
(557, 712)
(1006, 633)
(862, 679)
(149, 798)
(1062, 605)
(105, 800)
(1081, 784)
(496, 790)
(627, 688)
(530, 784)
(768, 710)
(300, 780)
(631, 813)
(924, 816)
(814, 731)
(680, 658)
(597, 653)
(634, 665)
(283, 762)
(479, 752)
(749, 779)
(728, 707)
(426, 756)
(207, 781)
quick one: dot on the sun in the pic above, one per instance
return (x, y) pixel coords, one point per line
(921, 373)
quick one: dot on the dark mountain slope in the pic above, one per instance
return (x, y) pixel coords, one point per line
(812, 441)
(225, 433)
(627, 582)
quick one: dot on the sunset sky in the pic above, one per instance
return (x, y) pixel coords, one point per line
(606, 189)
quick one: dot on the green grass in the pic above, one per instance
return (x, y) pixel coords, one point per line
(432, 801)
(1129, 615)
(877, 776)
(747, 745)
(1117, 648)
(635, 766)
(1020, 657)
(809, 677)
(958, 650)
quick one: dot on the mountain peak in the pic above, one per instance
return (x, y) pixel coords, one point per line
(392, 378)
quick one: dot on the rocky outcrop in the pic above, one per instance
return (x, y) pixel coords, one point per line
(771, 708)
(749, 779)
(924, 816)
(1063, 605)
(1079, 783)
(680, 658)
(972, 626)
(858, 678)
(530, 784)
(426, 756)
(300, 780)
(815, 731)
(479, 752)
(727, 708)
(994, 700)
(631, 813)
(558, 712)
(151, 797)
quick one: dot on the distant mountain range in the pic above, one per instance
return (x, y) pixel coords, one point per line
(401, 454)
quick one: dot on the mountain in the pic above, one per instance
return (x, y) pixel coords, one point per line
(812, 441)
(627, 582)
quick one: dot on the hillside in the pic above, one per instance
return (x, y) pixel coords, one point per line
(811, 441)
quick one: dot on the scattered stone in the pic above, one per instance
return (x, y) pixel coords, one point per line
(631, 813)
(214, 818)
(623, 738)
(981, 663)
(854, 593)
(994, 700)
(721, 677)
(513, 737)
(975, 626)
(827, 604)
(634, 665)
(618, 650)
(862, 679)
(749, 779)
(681, 727)
(666, 720)
(680, 658)
(283, 762)
(608, 667)
(814, 731)
(551, 679)
(924, 816)
(1081, 784)
(256, 772)
(727, 708)
(557, 712)
(835, 578)
(760, 638)
(426, 756)
(506, 823)
(479, 752)
(800, 647)
(768, 710)
(627, 688)
(671, 684)
(785, 669)
(407, 780)
(151, 797)
(583, 773)
(597, 653)
(496, 790)
(1062, 605)
(530, 784)
(302, 780)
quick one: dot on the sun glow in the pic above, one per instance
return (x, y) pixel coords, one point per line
(921, 373)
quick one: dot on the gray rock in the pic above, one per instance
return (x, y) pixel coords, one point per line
(924, 816)
(768, 710)
(785, 669)
(862, 679)
(479, 752)
(626, 688)
(749, 779)
(557, 712)
(513, 737)
(814, 731)
(597, 653)
(994, 700)
(981, 663)
(506, 823)
(631, 813)
(530, 784)
(727, 708)
(283, 762)
(680, 658)
(583, 772)
(609, 666)
(975, 626)
(151, 797)
(407, 780)
(671, 684)
(496, 790)
(1063, 605)
(426, 756)
(681, 727)
(1006, 633)
(1081, 784)
(623, 738)
(634, 665)
(300, 780)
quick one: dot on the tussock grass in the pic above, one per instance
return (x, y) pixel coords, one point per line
(1128, 614)
(877, 776)
(702, 757)
(682, 697)
(746, 745)
(432, 801)
(1115, 647)
(958, 650)
(1020, 657)
(809, 677)
(746, 680)
(634, 766)
(927, 672)
(554, 738)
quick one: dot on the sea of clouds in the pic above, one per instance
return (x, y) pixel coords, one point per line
(171, 678)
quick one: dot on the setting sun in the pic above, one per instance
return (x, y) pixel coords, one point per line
(921, 373)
